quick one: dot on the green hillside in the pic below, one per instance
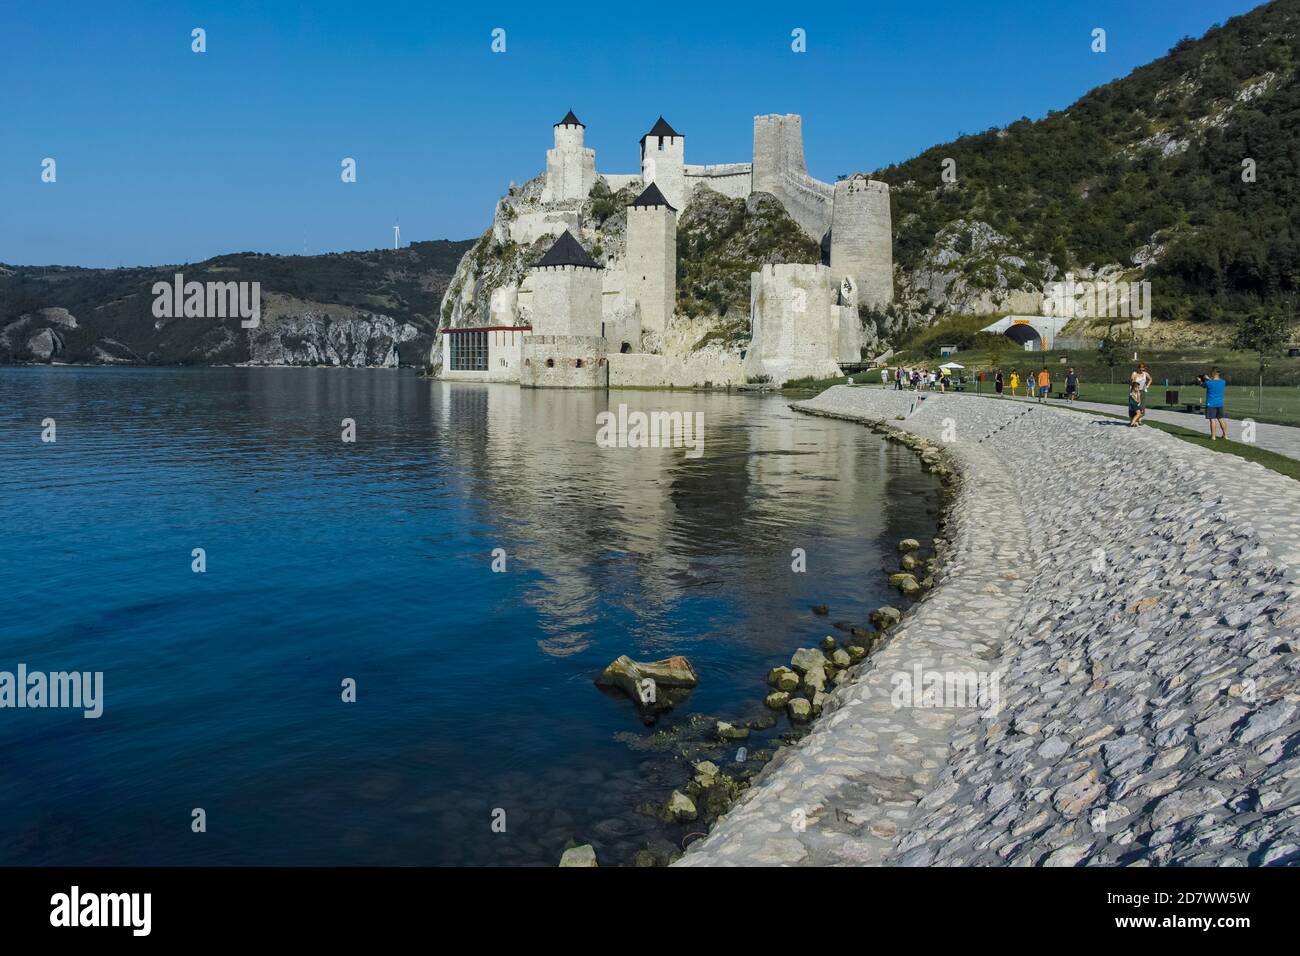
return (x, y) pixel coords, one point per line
(1152, 160)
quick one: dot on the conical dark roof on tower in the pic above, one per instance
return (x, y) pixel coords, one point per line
(652, 197)
(661, 129)
(567, 251)
(571, 120)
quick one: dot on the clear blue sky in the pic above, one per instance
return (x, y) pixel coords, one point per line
(169, 156)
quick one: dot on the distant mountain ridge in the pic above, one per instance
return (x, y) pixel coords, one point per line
(372, 308)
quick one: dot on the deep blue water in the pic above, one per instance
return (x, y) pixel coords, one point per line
(328, 560)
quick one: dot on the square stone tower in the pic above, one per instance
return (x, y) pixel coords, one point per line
(566, 290)
(652, 257)
(663, 156)
(794, 323)
(570, 166)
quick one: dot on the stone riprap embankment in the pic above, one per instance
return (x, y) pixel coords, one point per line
(1126, 603)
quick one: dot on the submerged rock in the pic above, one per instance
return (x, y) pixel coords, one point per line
(777, 699)
(886, 617)
(706, 773)
(680, 808)
(815, 679)
(821, 610)
(828, 643)
(909, 544)
(906, 583)
(584, 855)
(728, 731)
(654, 686)
(807, 657)
(783, 678)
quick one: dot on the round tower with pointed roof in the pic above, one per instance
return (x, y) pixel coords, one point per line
(570, 166)
(652, 257)
(663, 156)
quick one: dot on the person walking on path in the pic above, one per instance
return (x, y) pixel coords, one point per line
(997, 383)
(1215, 387)
(1071, 385)
(1044, 385)
(1015, 382)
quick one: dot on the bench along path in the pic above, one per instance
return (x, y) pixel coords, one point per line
(1135, 596)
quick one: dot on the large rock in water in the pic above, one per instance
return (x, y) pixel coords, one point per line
(654, 686)
(584, 855)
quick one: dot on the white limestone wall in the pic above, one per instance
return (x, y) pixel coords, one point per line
(810, 202)
(503, 307)
(623, 326)
(651, 264)
(862, 238)
(527, 227)
(731, 179)
(848, 343)
(565, 300)
(564, 361)
(613, 290)
(642, 370)
(662, 162)
(795, 323)
(616, 181)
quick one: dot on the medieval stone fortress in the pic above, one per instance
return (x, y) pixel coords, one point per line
(596, 317)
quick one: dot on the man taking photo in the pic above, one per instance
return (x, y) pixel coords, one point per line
(1215, 386)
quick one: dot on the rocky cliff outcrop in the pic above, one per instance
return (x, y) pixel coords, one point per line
(362, 309)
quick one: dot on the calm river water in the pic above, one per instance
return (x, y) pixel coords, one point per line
(373, 560)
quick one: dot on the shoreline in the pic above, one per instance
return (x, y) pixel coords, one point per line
(1142, 717)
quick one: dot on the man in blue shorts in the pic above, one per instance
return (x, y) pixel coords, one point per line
(1214, 387)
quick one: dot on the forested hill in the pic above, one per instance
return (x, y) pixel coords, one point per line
(1145, 173)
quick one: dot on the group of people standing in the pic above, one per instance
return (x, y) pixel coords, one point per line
(1039, 385)
(1036, 385)
(917, 379)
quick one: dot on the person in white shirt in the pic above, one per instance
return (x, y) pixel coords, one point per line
(1142, 379)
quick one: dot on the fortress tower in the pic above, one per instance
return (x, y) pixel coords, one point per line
(663, 156)
(652, 257)
(570, 166)
(566, 290)
(778, 150)
(861, 244)
(794, 323)
(854, 212)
